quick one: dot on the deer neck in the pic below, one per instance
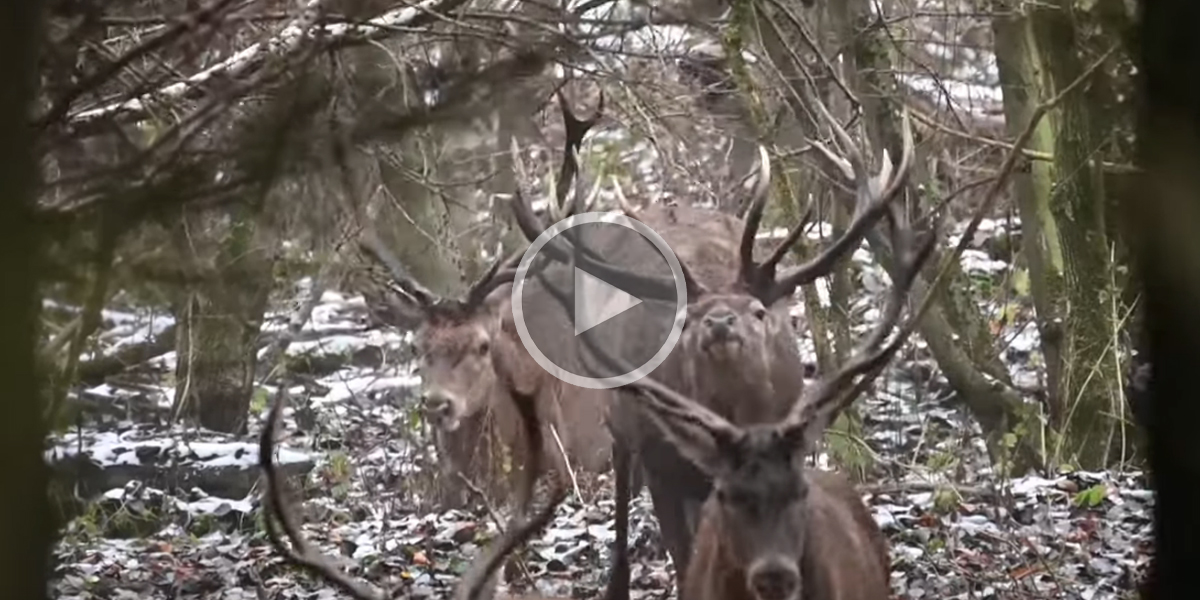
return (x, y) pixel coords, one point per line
(743, 395)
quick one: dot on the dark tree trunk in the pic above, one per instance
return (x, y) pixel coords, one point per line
(25, 530)
(1163, 223)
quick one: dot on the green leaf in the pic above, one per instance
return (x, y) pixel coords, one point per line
(1091, 497)
(260, 400)
(1020, 282)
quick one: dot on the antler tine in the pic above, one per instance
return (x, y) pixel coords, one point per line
(626, 207)
(576, 129)
(527, 220)
(301, 553)
(373, 246)
(854, 157)
(873, 197)
(532, 227)
(754, 214)
(822, 402)
(782, 248)
(502, 270)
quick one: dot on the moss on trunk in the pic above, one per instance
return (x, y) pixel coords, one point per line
(220, 318)
(1065, 242)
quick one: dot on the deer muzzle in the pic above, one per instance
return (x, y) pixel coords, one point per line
(774, 579)
(441, 409)
(720, 332)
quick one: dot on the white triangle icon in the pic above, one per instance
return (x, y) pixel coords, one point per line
(597, 301)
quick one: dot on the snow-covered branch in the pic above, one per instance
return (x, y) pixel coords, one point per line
(287, 41)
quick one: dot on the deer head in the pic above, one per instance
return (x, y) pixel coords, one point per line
(459, 338)
(455, 338)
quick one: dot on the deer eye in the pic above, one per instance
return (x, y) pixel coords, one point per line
(760, 313)
(482, 348)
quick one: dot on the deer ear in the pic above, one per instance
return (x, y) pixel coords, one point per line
(802, 437)
(712, 451)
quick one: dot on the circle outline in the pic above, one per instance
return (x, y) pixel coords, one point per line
(613, 381)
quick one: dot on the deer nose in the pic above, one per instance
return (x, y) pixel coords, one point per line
(438, 406)
(720, 324)
(775, 580)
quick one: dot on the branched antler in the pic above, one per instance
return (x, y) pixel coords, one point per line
(873, 196)
(523, 525)
(821, 402)
(503, 269)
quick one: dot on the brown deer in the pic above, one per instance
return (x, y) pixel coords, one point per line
(759, 473)
(773, 528)
(737, 354)
(472, 362)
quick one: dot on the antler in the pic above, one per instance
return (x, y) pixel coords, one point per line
(576, 129)
(502, 270)
(820, 403)
(301, 553)
(560, 248)
(873, 194)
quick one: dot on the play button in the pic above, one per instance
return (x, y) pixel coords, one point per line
(614, 284)
(597, 301)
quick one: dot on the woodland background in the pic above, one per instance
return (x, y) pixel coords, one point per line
(204, 169)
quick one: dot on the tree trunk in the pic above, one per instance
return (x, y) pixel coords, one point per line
(1062, 205)
(955, 329)
(221, 316)
(25, 526)
(1164, 220)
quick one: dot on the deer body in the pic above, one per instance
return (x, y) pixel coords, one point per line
(472, 363)
(737, 375)
(474, 367)
(748, 377)
(770, 528)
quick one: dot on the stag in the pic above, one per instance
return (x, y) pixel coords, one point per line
(472, 362)
(773, 528)
(737, 355)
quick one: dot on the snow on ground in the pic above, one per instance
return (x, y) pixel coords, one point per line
(956, 529)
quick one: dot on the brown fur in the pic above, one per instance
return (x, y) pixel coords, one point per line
(754, 384)
(845, 554)
(738, 360)
(483, 386)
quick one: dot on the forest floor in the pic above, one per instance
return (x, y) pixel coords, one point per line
(174, 513)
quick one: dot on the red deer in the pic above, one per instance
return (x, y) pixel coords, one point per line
(773, 528)
(472, 361)
(738, 354)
